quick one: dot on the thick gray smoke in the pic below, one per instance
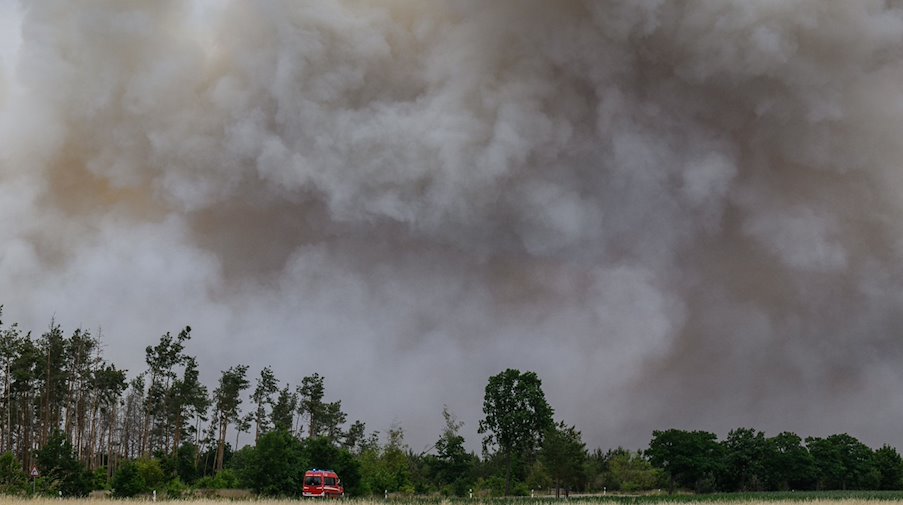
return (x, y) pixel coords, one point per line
(679, 213)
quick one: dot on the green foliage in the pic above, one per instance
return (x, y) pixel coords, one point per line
(151, 473)
(563, 454)
(227, 401)
(453, 466)
(789, 466)
(388, 469)
(127, 481)
(283, 410)
(324, 419)
(186, 463)
(62, 470)
(691, 459)
(746, 453)
(276, 466)
(349, 470)
(12, 479)
(630, 472)
(175, 488)
(516, 416)
(538, 477)
(225, 479)
(267, 385)
(843, 462)
(100, 479)
(889, 465)
(493, 486)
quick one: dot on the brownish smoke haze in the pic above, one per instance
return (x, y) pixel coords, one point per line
(679, 213)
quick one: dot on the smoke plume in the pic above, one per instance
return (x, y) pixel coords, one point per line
(679, 213)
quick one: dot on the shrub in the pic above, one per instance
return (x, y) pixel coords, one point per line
(151, 472)
(128, 481)
(175, 489)
(12, 479)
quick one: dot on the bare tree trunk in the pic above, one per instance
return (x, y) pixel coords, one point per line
(177, 436)
(70, 394)
(9, 412)
(221, 447)
(45, 403)
(27, 440)
(93, 435)
(110, 428)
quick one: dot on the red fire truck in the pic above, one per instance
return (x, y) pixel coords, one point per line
(322, 484)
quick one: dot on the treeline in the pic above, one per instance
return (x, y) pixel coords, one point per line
(84, 425)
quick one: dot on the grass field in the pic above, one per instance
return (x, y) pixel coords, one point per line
(803, 498)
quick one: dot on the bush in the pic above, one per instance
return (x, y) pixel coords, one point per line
(175, 489)
(64, 473)
(12, 479)
(276, 466)
(99, 479)
(226, 479)
(151, 472)
(128, 481)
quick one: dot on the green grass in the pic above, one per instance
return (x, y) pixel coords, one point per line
(721, 497)
(664, 498)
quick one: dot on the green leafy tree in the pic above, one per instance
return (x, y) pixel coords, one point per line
(58, 464)
(12, 479)
(186, 463)
(151, 472)
(516, 416)
(630, 471)
(276, 466)
(788, 463)
(127, 481)
(563, 454)
(889, 465)
(843, 462)
(454, 465)
(691, 459)
(745, 457)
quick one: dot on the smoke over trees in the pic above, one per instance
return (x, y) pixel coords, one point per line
(683, 211)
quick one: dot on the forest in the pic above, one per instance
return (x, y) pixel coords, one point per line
(83, 424)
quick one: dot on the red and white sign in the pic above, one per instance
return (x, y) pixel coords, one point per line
(34, 471)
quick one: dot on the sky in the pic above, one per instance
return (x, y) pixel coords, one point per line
(678, 213)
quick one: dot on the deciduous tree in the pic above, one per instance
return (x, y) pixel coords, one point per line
(516, 416)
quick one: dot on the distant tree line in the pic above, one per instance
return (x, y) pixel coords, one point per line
(84, 424)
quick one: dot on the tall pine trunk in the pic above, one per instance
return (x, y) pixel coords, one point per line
(221, 446)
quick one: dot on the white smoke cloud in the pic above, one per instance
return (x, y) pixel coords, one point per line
(678, 213)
